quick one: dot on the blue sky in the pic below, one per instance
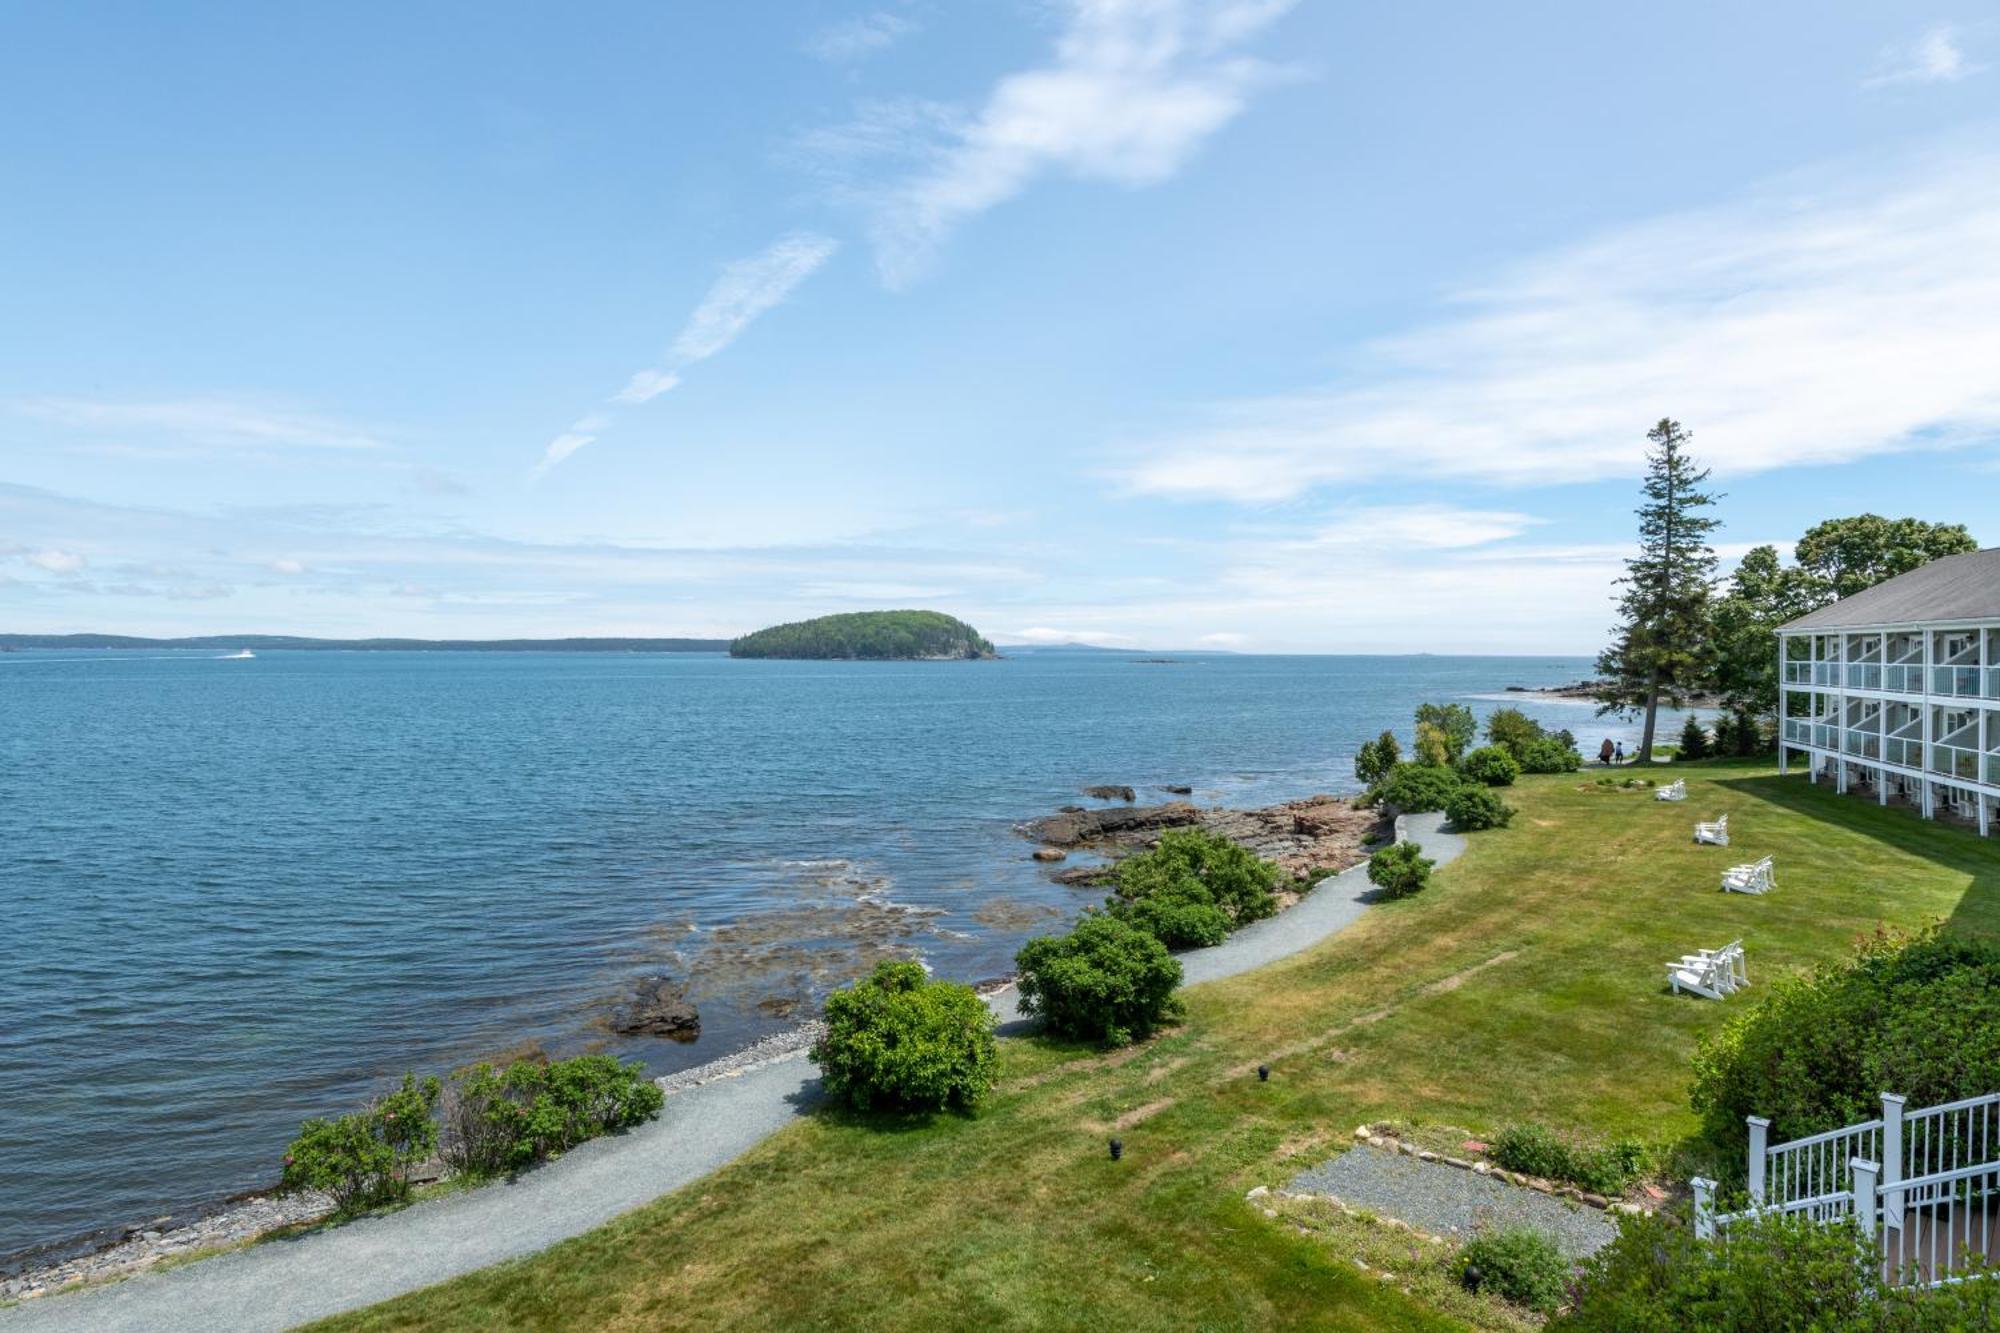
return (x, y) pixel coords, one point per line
(1154, 322)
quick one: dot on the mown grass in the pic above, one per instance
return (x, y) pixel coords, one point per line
(1525, 984)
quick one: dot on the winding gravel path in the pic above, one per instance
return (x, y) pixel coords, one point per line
(280, 1284)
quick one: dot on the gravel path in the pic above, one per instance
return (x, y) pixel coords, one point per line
(1445, 1200)
(280, 1284)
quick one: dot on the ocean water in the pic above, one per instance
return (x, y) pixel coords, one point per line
(238, 893)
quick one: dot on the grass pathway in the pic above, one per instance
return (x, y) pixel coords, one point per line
(281, 1284)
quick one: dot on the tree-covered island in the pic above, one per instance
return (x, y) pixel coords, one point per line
(873, 636)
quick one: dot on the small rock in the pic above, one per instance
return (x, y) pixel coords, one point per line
(1111, 792)
(1426, 1155)
(1050, 854)
(1597, 1200)
(1270, 1212)
(659, 1008)
(1481, 1169)
(1362, 1131)
(1458, 1162)
(1259, 1192)
(1178, 789)
(1407, 1149)
(1629, 1209)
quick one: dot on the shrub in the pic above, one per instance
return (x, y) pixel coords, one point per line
(1400, 870)
(1454, 724)
(500, 1120)
(1512, 730)
(1181, 915)
(1915, 1014)
(1199, 865)
(1375, 758)
(1725, 735)
(1473, 808)
(1550, 754)
(898, 1039)
(1522, 1265)
(1412, 788)
(1775, 1274)
(1694, 739)
(1433, 747)
(1751, 737)
(364, 1159)
(1491, 765)
(1599, 1168)
(1106, 980)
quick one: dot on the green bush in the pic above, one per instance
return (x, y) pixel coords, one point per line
(1694, 739)
(1400, 870)
(501, 1120)
(1550, 754)
(1375, 758)
(1513, 730)
(1473, 808)
(897, 1039)
(1519, 1264)
(1914, 1014)
(1194, 888)
(1106, 981)
(1413, 788)
(1775, 1274)
(1538, 1151)
(1454, 724)
(1724, 742)
(364, 1159)
(1490, 765)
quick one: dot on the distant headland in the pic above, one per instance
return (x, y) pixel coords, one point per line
(870, 636)
(283, 641)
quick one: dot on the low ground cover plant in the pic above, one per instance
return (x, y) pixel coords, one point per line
(898, 1040)
(1194, 888)
(1473, 808)
(503, 1119)
(1400, 870)
(1520, 1264)
(1601, 1168)
(363, 1159)
(1913, 1013)
(1413, 788)
(1105, 981)
(1774, 1274)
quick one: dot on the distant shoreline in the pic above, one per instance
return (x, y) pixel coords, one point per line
(287, 642)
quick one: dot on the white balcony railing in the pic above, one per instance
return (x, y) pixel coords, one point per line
(1955, 762)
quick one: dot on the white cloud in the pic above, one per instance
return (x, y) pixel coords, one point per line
(1132, 89)
(214, 423)
(746, 289)
(1426, 526)
(288, 567)
(57, 561)
(1936, 56)
(1820, 320)
(859, 37)
(1223, 639)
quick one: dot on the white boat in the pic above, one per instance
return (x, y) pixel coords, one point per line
(237, 656)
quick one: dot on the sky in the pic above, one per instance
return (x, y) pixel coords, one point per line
(1250, 324)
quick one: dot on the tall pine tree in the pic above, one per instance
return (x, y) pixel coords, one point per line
(1659, 649)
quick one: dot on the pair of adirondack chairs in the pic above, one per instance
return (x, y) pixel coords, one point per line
(1710, 973)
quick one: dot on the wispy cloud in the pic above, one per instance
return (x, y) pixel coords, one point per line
(1048, 634)
(57, 561)
(211, 423)
(1131, 90)
(1420, 526)
(1935, 56)
(1823, 319)
(746, 289)
(859, 37)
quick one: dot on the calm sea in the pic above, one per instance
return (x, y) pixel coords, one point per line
(241, 892)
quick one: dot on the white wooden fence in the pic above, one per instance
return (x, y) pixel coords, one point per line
(1925, 1185)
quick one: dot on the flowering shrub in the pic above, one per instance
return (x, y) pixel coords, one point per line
(363, 1159)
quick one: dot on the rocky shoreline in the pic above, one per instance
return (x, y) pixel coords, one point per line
(1309, 838)
(1588, 690)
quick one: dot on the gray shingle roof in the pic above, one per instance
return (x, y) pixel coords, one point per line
(1958, 587)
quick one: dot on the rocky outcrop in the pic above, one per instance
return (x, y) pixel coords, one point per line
(1111, 793)
(1050, 854)
(1082, 828)
(659, 1008)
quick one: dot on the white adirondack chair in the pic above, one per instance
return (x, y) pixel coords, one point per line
(1699, 976)
(1716, 833)
(1733, 972)
(1676, 790)
(1753, 878)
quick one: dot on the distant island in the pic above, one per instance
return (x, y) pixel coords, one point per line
(870, 636)
(280, 641)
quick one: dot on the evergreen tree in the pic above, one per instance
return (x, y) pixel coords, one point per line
(1374, 760)
(1694, 739)
(1659, 650)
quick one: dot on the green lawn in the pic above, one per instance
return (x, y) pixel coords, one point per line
(1526, 983)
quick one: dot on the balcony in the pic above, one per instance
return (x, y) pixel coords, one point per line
(1956, 680)
(1864, 676)
(1826, 673)
(1864, 744)
(1904, 751)
(1955, 762)
(1798, 729)
(1798, 673)
(1905, 679)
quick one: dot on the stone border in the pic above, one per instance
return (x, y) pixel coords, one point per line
(1383, 1138)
